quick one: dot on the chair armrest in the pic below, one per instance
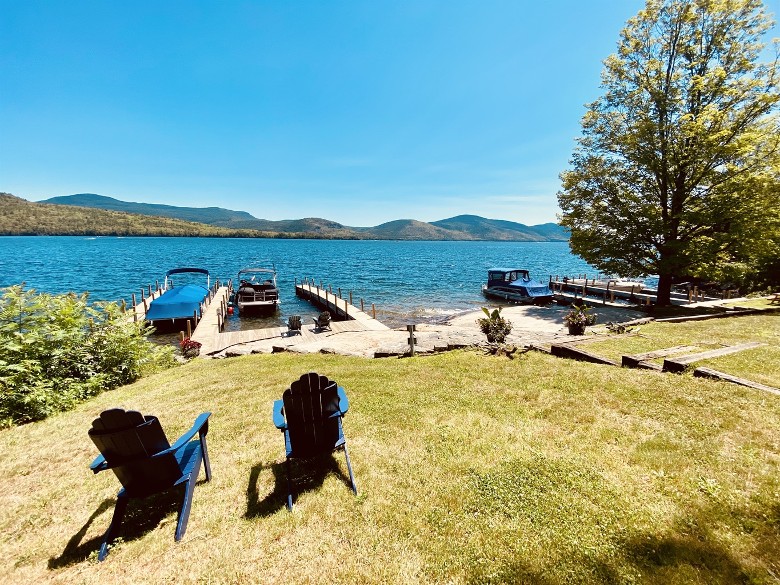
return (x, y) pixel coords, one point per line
(343, 402)
(200, 422)
(278, 414)
(99, 464)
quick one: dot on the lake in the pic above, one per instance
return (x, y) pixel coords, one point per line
(409, 282)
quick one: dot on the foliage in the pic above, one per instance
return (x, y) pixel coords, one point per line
(579, 316)
(494, 326)
(677, 170)
(57, 350)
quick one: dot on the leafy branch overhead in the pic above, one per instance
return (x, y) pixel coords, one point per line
(677, 171)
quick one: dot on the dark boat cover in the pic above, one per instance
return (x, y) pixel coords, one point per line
(180, 302)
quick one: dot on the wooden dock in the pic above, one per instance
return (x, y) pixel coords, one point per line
(209, 334)
(610, 291)
(339, 308)
(212, 320)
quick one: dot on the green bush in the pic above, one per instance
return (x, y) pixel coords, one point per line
(58, 350)
(494, 326)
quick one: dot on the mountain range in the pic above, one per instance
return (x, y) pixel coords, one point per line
(462, 227)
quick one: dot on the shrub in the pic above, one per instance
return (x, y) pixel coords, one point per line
(58, 350)
(494, 326)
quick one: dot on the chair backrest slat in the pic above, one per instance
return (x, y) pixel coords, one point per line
(128, 440)
(308, 404)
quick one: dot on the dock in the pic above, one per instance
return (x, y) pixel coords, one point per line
(347, 318)
(339, 308)
(610, 291)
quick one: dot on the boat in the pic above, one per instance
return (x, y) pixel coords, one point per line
(180, 302)
(516, 285)
(257, 291)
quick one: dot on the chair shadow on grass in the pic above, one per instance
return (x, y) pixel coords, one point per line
(307, 475)
(143, 515)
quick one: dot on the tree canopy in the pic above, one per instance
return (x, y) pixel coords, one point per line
(677, 169)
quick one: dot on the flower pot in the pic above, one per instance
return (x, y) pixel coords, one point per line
(576, 329)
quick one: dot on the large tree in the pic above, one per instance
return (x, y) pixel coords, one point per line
(676, 169)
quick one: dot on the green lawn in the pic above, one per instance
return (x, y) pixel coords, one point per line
(470, 469)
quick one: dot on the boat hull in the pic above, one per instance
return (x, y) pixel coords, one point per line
(516, 295)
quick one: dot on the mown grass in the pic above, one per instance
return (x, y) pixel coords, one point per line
(470, 469)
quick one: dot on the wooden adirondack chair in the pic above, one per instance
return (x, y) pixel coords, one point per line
(309, 415)
(136, 449)
(322, 321)
(294, 324)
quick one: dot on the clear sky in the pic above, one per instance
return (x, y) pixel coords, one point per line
(360, 112)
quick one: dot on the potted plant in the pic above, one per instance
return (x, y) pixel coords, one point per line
(578, 318)
(189, 347)
(494, 325)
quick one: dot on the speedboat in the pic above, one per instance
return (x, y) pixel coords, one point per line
(516, 285)
(257, 291)
(178, 302)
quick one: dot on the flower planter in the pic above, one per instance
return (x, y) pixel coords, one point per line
(575, 329)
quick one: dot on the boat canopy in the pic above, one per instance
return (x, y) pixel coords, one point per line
(508, 275)
(180, 302)
(188, 269)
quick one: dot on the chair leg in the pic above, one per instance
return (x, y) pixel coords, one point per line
(184, 513)
(349, 468)
(116, 521)
(289, 486)
(206, 463)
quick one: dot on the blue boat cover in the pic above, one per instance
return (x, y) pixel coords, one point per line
(180, 302)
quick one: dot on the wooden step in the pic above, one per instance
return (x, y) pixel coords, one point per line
(634, 361)
(680, 364)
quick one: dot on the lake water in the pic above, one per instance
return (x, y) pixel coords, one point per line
(409, 282)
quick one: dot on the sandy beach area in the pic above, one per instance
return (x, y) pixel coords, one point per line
(531, 325)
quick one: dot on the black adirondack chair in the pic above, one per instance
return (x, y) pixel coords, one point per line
(294, 325)
(309, 415)
(322, 321)
(136, 449)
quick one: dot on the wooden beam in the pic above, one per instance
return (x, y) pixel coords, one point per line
(568, 351)
(680, 364)
(715, 374)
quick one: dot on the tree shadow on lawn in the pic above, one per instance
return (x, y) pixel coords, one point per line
(314, 472)
(692, 542)
(143, 515)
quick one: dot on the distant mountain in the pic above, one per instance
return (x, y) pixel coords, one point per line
(480, 228)
(21, 217)
(411, 229)
(462, 227)
(207, 215)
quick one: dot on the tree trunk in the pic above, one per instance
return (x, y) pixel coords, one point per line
(664, 290)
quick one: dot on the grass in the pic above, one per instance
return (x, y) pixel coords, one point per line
(470, 469)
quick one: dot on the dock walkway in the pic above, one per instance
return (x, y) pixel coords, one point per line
(338, 307)
(213, 340)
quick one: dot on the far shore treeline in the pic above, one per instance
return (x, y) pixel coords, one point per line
(86, 215)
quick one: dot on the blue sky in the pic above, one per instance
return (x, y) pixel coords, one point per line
(357, 111)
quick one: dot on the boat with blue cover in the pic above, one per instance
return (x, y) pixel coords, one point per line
(516, 285)
(178, 302)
